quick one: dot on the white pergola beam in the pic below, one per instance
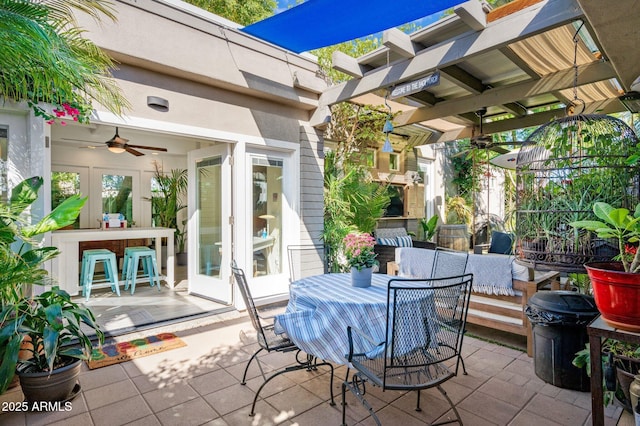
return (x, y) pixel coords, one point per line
(472, 14)
(346, 64)
(533, 20)
(588, 73)
(399, 42)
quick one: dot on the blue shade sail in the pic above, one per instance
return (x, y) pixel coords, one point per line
(321, 23)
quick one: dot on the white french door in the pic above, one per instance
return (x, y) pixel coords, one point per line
(209, 229)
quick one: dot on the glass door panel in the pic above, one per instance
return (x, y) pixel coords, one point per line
(209, 229)
(267, 216)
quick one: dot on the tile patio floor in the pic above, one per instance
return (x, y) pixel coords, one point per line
(200, 385)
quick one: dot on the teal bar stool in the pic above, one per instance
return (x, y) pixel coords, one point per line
(132, 261)
(127, 260)
(87, 270)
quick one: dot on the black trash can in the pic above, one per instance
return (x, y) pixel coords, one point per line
(559, 320)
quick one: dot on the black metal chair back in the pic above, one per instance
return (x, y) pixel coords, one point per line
(424, 330)
(241, 280)
(449, 263)
(306, 260)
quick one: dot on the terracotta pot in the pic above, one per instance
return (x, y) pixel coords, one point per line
(617, 294)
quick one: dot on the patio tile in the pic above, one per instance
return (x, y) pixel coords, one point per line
(227, 400)
(265, 415)
(13, 419)
(432, 403)
(276, 385)
(102, 376)
(83, 419)
(489, 408)
(559, 411)
(507, 392)
(169, 396)
(78, 406)
(295, 400)
(122, 412)
(527, 418)
(321, 415)
(194, 412)
(151, 420)
(467, 418)
(109, 394)
(390, 415)
(211, 382)
(146, 383)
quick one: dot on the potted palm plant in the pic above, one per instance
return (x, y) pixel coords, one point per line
(167, 201)
(45, 325)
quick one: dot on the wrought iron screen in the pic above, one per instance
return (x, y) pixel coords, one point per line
(562, 169)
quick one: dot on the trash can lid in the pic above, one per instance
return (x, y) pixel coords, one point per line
(564, 302)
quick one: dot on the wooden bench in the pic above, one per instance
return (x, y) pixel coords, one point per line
(506, 313)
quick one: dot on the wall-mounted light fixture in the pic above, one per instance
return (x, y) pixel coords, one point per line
(158, 103)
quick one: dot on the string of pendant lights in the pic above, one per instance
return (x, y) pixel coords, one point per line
(388, 128)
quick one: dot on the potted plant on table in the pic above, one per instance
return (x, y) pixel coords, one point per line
(616, 284)
(42, 326)
(358, 250)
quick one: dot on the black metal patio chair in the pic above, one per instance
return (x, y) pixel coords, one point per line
(305, 260)
(269, 341)
(450, 263)
(424, 332)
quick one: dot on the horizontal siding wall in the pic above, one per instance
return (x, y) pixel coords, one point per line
(311, 185)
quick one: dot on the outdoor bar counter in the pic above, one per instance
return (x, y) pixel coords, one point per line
(65, 270)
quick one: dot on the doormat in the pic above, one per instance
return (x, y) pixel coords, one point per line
(124, 351)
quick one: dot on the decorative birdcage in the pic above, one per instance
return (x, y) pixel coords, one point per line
(562, 169)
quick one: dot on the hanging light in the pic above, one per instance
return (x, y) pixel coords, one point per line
(388, 128)
(387, 145)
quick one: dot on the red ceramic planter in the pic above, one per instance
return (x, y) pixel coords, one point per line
(617, 294)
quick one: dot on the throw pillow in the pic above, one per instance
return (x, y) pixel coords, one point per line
(388, 241)
(405, 241)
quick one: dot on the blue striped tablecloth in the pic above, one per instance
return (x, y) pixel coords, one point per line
(321, 307)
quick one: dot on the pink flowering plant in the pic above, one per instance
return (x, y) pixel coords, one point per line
(358, 249)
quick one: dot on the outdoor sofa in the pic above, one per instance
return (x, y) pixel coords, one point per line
(501, 287)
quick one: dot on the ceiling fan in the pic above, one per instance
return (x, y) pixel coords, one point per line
(485, 142)
(119, 145)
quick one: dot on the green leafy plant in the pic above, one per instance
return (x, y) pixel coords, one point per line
(458, 211)
(616, 223)
(52, 322)
(50, 319)
(20, 253)
(429, 226)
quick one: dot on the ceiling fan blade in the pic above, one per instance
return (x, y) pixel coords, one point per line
(148, 147)
(499, 149)
(132, 151)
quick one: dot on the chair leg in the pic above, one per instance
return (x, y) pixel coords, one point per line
(354, 386)
(455, 411)
(418, 409)
(461, 361)
(244, 376)
(309, 364)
